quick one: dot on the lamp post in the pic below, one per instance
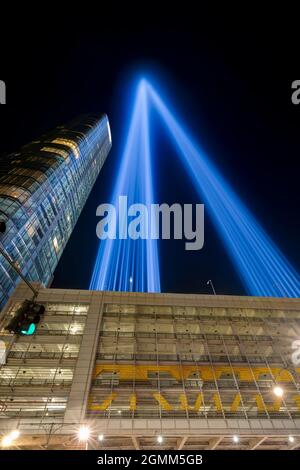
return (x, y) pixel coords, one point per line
(209, 282)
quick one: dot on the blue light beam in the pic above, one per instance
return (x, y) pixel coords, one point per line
(263, 269)
(123, 264)
(132, 265)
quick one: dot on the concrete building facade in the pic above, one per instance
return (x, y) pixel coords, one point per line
(147, 371)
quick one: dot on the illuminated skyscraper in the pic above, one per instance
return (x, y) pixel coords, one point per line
(43, 189)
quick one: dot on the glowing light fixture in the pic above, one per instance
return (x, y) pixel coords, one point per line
(278, 391)
(15, 434)
(84, 433)
(8, 440)
(31, 329)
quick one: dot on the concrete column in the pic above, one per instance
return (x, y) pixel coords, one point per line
(78, 398)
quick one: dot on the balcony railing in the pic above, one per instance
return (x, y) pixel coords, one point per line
(41, 355)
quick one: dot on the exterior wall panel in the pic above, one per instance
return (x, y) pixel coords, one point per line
(196, 369)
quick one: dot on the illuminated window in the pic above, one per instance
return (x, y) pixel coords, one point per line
(30, 231)
(61, 152)
(15, 192)
(69, 143)
(55, 243)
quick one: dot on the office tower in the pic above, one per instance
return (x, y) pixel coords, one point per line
(43, 189)
(150, 371)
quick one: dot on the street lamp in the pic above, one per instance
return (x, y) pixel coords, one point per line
(15, 434)
(83, 435)
(8, 440)
(209, 282)
(278, 391)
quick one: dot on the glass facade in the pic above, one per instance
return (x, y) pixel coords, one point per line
(195, 362)
(43, 189)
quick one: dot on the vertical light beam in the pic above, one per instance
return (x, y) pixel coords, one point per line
(124, 264)
(263, 269)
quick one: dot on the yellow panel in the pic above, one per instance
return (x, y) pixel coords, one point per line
(104, 405)
(207, 373)
(260, 403)
(218, 403)
(162, 401)
(132, 406)
(297, 400)
(261, 406)
(236, 403)
(184, 403)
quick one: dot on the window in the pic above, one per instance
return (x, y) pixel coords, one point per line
(68, 143)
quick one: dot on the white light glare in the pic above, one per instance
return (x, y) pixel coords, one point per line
(109, 132)
(160, 439)
(101, 437)
(236, 439)
(84, 433)
(291, 439)
(15, 434)
(8, 440)
(278, 391)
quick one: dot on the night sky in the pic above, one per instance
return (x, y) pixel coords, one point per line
(231, 86)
